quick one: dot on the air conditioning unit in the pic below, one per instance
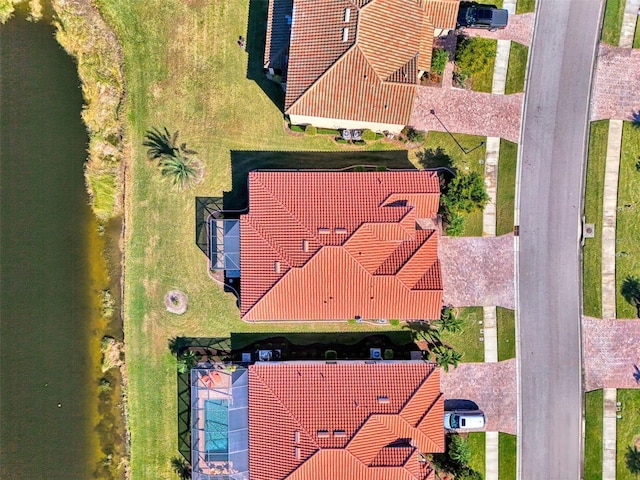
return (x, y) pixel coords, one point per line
(376, 353)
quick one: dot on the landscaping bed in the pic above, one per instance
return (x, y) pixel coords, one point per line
(475, 61)
(592, 251)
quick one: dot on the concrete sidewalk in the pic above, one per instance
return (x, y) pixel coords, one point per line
(609, 205)
(500, 67)
(631, 11)
(609, 434)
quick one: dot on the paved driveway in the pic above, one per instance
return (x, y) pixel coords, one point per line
(616, 88)
(477, 271)
(491, 385)
(611, 353)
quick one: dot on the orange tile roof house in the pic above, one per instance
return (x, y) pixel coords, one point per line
(353, 63)
(348, 420)
(340, 245)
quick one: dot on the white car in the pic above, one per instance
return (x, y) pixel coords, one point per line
(461, 420)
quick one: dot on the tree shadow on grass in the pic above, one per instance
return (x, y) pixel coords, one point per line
(635, 119)
(242, 162)
(256, 39)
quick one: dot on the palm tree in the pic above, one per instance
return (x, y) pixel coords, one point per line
(632, 459)
(160, 143)
(446, 356)
(184, 172)
(448, 321)
(186, 361)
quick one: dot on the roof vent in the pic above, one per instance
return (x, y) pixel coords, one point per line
(324, 231)
(345, 34)
(347, 14)
(296, 453)
(339, 433)
(296, 437)
(276, 266)
(383, 399)
(322, 433)
(305, 245)
(341, 231)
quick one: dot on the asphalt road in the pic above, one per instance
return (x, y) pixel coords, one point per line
(555, 128)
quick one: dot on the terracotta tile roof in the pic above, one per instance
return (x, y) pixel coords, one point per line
(343, 61)
(348, 240)
(308, 418)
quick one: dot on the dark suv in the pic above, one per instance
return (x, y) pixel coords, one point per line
(482, 16)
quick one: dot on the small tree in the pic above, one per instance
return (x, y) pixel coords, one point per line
(186, 361)
(446, 357)
(631, 292)
(448, 321)
(632, 459)
(183, 172)
(455, 228)
(466, 193)
(458, 450)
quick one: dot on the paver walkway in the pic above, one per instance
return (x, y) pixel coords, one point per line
(631, 11)
(611, 353)
(491, 385)
(616, 83)
(477, 271)
(609, 204)
(609, 434)
(491, 182)
(519, 29)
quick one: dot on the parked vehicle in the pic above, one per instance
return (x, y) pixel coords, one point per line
(464, 420)
(482, 16)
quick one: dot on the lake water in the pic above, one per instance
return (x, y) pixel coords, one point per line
(47, 363)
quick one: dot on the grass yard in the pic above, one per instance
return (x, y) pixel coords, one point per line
(477, 446)
(466, 341)
(525, 6)
(517, 68)
(184, 70)
(471, 162)
(636, 36)
(506, 193)
(593, 435)
(627, 431)
(507, 453)
(628, 217)
(592, 251)
(483, 80)
(506, 333)
(612, 23)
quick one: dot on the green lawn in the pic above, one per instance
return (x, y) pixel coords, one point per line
(466, 163)
(636, 35)
(593, 435)
(184, 70)
(592, 252)
(506, 192)
(627, 430)
(483, 80)
(628, 217)
(507, 456)
(517, 68)
(506, 333)
(613, 13)
(477, 446)
(467, 341)
(525, 6)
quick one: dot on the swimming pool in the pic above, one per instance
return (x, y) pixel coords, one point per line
(216, 426)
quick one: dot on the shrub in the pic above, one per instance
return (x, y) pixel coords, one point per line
(388, 354)
(368, 135)
(359, 142)
(331, 355)
(456, 225)
(459, 451)
(340, 140)
(296, 128)
(415, 136)
(473, 54)
(310, 130)
(327, 131)
(439, 60)
(395, 322)
(352, 321)
(359, 168)
(381, 168)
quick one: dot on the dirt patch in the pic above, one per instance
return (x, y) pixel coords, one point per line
(176, 302)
